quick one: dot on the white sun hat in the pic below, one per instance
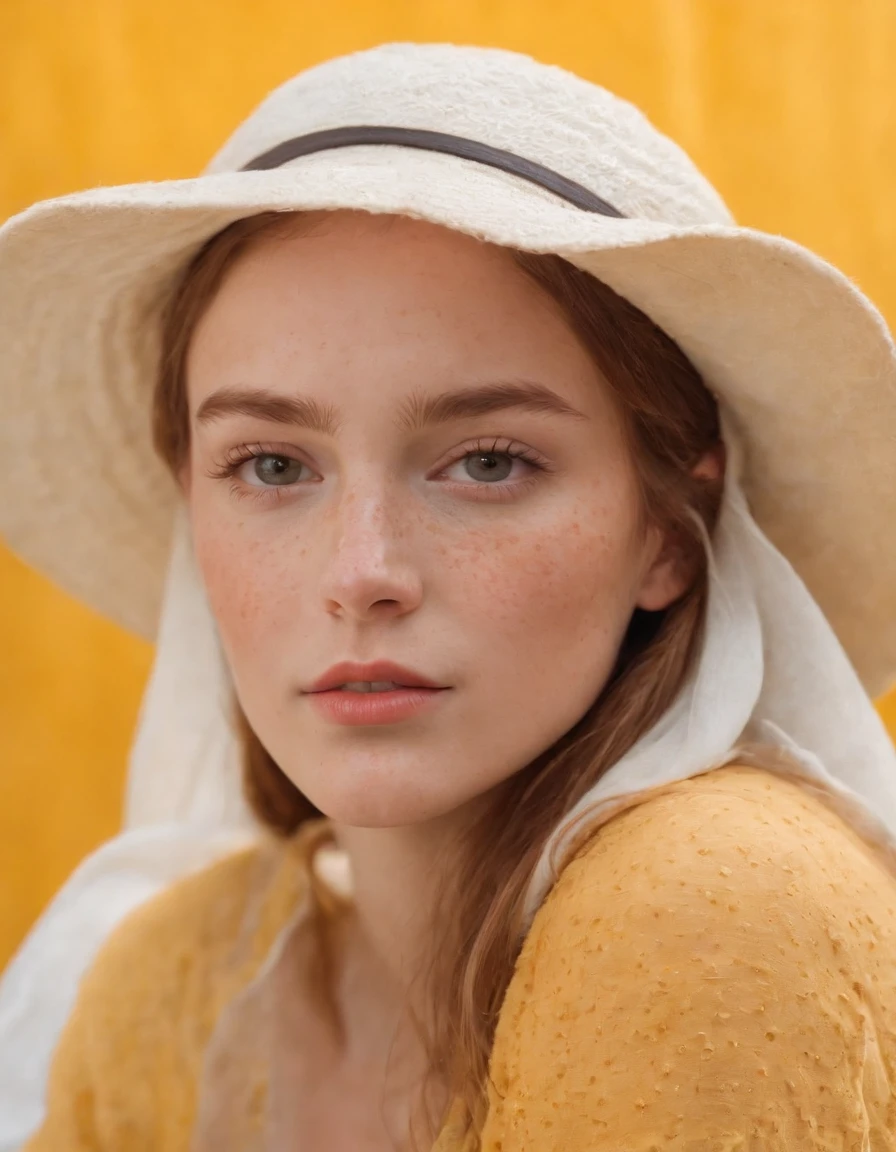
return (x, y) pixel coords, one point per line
(493, 144)
(801, 622)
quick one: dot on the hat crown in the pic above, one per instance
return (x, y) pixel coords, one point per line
(500, 98)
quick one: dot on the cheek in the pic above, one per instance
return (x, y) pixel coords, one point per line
(247, 586)
(542, 612)
(564, 585)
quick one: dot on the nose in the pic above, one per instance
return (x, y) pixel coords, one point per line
(367, 573)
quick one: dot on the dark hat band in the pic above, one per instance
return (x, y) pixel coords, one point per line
(567, 189)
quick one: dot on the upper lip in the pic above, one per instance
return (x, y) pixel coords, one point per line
(348, 672)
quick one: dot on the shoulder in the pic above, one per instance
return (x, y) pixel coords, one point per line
(719, 960)
(147, 1006)
(192, 941)
(716, 845)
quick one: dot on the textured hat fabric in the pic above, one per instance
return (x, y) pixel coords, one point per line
(802, 360)
(801, 618)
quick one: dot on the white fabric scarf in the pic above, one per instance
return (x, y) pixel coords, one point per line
(770, 669)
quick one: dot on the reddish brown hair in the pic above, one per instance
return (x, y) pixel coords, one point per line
(671, 420)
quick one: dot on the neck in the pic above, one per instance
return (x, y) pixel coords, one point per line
(398, 875)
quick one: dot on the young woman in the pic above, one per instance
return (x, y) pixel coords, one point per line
(530, 522)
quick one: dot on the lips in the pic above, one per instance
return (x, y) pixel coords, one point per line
(379, 670)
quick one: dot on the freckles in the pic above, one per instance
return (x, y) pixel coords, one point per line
(247, 607)
(555, 574)
(243, 586)
(575, 572)
(235, 598)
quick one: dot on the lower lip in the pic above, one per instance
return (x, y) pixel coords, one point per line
(355, 708)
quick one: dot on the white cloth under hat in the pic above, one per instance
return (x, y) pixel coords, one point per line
(770, 671)
(802, 613)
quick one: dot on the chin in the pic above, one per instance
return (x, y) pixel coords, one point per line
(372, 800)
(390, 786)
(378, 811)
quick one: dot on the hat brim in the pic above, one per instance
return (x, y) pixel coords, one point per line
(802, 361)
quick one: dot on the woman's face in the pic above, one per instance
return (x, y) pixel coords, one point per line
(427, 469)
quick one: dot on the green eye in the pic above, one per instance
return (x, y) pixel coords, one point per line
(488, 465)
(276, 470)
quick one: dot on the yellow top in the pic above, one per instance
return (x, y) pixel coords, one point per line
(716, 970)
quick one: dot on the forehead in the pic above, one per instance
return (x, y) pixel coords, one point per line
(373, 263)
(339, 298)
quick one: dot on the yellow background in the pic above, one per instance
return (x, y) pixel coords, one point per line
(788, 105)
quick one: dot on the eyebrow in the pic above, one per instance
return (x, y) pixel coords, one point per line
(415, 413)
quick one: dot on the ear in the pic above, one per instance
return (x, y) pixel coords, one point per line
(667, 578)
(669, 575)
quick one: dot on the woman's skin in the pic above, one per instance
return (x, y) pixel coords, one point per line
(393, 541)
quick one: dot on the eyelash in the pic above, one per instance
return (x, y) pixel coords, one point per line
(273, 493)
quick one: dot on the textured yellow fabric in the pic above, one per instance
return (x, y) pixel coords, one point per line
(714, 972)
(786, 104)
(127, 1067)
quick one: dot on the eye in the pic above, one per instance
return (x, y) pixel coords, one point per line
(485, 465)
(269, 470)
(488, 466)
